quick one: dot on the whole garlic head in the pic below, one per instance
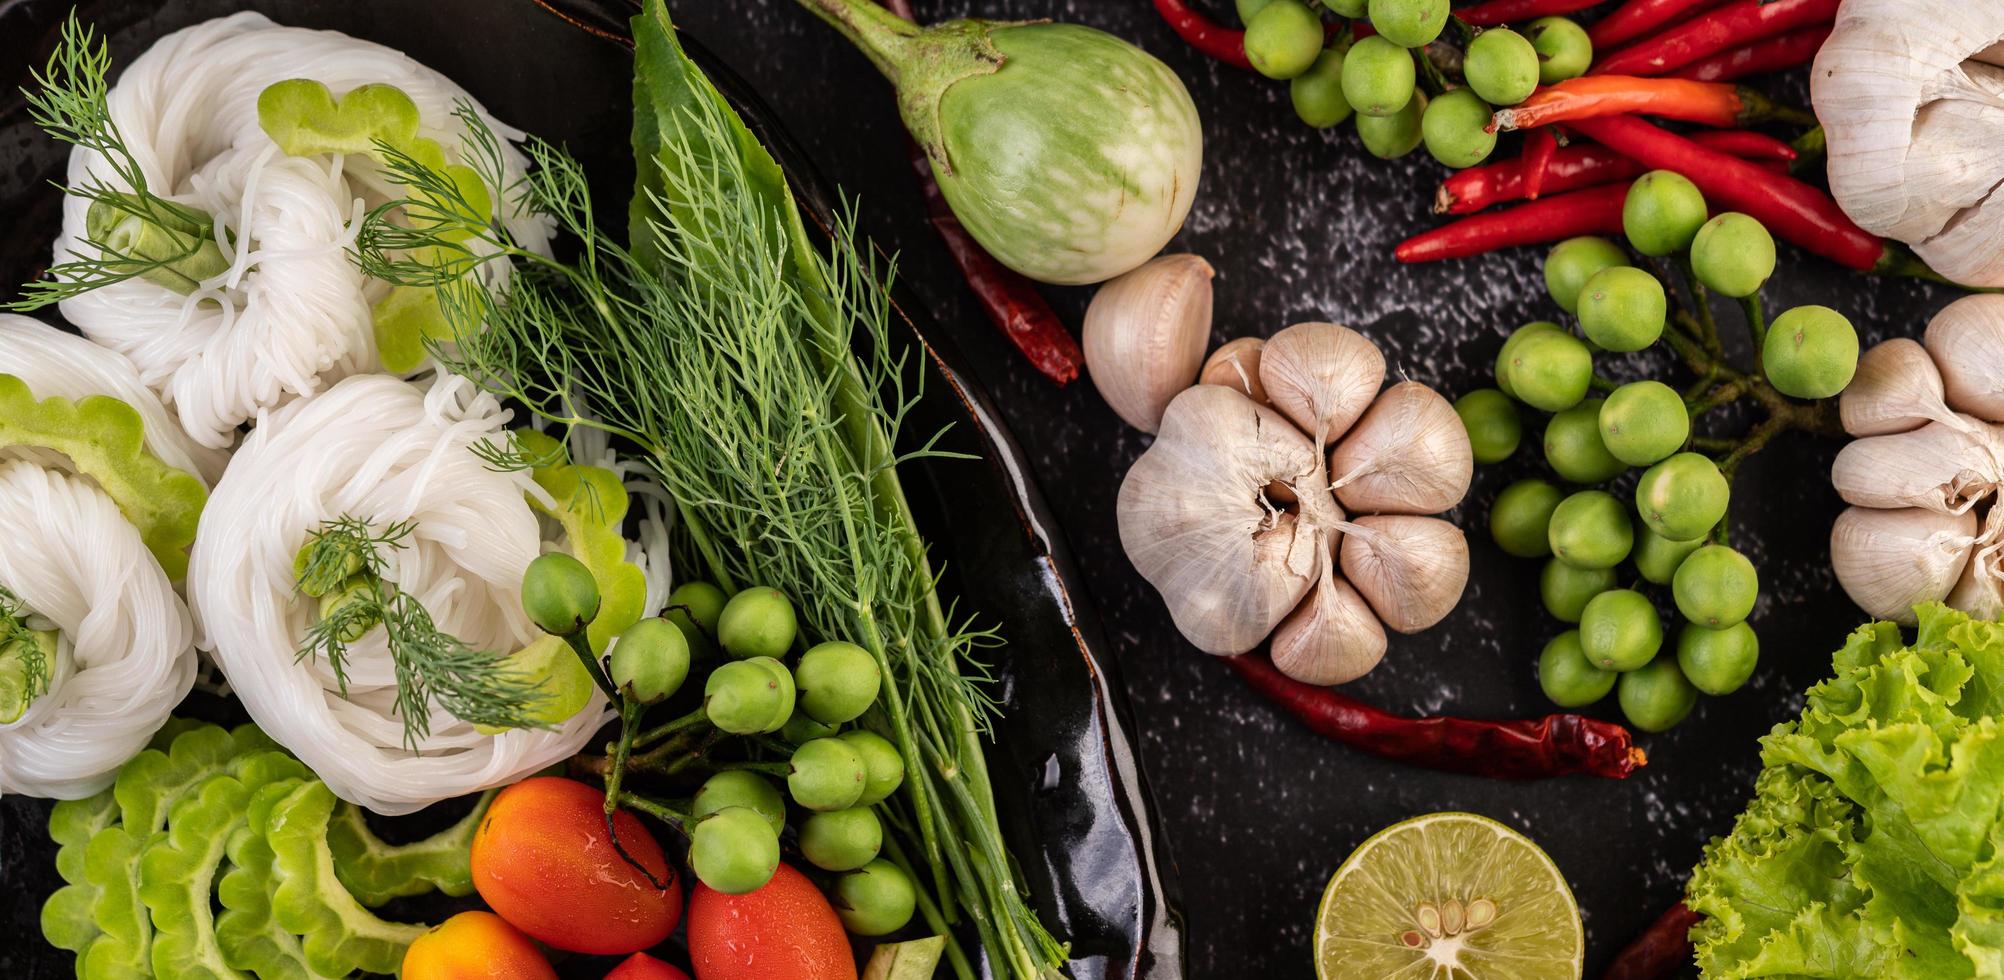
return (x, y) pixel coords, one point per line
(1911, 97)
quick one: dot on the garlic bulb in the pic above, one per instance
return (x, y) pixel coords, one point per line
(1936, 467)
(1322, 376)
(1966, 340)
(1332, 638)
(1890, 560)
(1980, 590)
(1229, 516)
(1409, 454)
(1897, 389)
(1411, 569)
(1913, 109)
(1144, 336)
(1236, 365)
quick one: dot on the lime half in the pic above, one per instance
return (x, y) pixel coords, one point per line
(1448, 896)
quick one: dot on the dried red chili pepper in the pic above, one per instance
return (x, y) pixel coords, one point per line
(1790, 209)
(1639, 17)
(1556, 745)
(1588, 165)
(1595, 211)
(1779, 53)
(1739, 22)
(1204, 34)
(1683, 99)
(1495, 12)
(1660, 952)
(1539, 148)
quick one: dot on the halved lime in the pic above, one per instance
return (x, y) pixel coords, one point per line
(1448, 896)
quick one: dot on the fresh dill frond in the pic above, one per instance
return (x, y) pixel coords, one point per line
(22, 642)
(343, 562)
(509, 455)
(132, 231)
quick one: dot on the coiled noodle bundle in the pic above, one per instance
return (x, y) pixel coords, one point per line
(380, 450)
(293, 312)
(125, 652)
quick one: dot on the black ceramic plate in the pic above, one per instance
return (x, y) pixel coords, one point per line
(1076, 813)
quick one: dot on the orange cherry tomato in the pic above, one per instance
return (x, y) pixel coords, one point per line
(641, 966)
(543, 861)
(783, 931)
(475, 946)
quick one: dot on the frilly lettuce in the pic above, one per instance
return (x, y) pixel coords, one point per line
(1872, 845)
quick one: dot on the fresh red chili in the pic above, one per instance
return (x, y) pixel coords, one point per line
(1012, 303)
(1779, 53)
(1494, 12)
(1204, 34)
(1660, 952)
(1537, 166)
(1789, 208)
(1588, 165)
(1556, 745)
(1595, 211)
(1706, 103)
(1639, 17)
(1736, 23)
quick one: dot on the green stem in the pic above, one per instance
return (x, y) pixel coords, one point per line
(1598, 383)
(658, 809)
(648, 738)
(1711, 444)
(929, 911)
(1898, 261)
(779, 769)
(1701, 305)
(1430, 75)
(1756, 328)
(580, 643)
(1755, 441)
(885, 38)
(629, 716)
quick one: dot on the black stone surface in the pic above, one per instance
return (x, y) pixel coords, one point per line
(1300, 225)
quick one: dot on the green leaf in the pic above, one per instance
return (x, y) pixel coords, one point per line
(591, 505)
(105, 439)
(376, 872)
(339, 935)
(405, 319)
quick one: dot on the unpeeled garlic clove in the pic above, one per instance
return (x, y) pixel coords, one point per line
(1966, 340)
(1409, 454)
(1144, 336)
(1411, 569)
(1228, 515)
(1322, 376)
(1331, 638)
(1980, 590)
(1889, 561)
(1897, 389)
(1936, 467)
(1235, 365)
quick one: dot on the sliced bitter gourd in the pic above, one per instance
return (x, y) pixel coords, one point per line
(375, 871)
(339, 935)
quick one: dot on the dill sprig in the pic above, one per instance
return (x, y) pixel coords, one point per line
(732, 373)
(132, 232)
(345, 560)
(19, 640)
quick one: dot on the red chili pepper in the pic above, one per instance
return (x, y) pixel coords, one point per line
(1660, 952)
(1556, 745)
(1779, 53)
(1639, 17)
(1588, 165)
(1736, 23)
(1204, 34)
(1495, 12)
(1538, 150)
(1595, 211)
(1788, 207)
(1012, 303)
(1706, 103)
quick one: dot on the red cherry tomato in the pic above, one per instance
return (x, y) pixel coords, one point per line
(475, 946)
(543, 861)
(783, 931)
(641, 966)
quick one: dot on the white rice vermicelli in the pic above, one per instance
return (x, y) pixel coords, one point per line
(381, 450)
(292, 313)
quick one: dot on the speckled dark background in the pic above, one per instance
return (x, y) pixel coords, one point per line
(1300, 225)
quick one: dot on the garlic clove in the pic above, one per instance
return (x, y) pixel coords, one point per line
(1144, 336)
(1229, 516)
(1409, 454)
(1966, 340)
(1937, 467)
(1331, 638)
(1980, 590)
(1236, 366)
(1889, 561)
(1897, 389)
(1322, 376)
(1411, 569)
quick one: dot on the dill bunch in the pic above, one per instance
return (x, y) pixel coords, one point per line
(720, 350)
(343, 565)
